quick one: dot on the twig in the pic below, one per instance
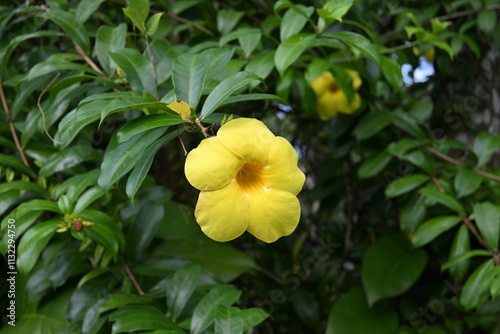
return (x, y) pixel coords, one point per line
(152, 65)
(271, 276)
(474, 231)
(11, 125)
(438, 184)
(134, 281)
(41, 110)
(447, 17)
(87, 59)
(182, 143)
(461, 164)
(202, 128)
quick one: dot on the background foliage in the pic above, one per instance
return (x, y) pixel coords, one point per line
(400, 220)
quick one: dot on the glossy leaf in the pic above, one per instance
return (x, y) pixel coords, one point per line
(189, 72)
(432, 228)
(435, 195)
(203, 315)
(21, 186)
(261, 65)
(358, 44)
(488, 222)
(129, 103)
(464, 256)
(109, 39)
(460, 245)
(8, 161)
(294, 20)
(467, 182)
(68, 158)
(143, 227)
(71, 26)
(390, 267)
(290, 49)
(371, 124)
(136, 67)
(145, 123)
(405, 184)
(181, 287)
(392, 72)
(140, 318)
(475, 290)
(228, 320)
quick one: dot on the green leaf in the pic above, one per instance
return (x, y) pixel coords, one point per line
(120, 299)
(494, 281)
(464, 256)
(332, 11)
(152, 24)
(100, 218)
(140, 318)
(68, 158)
(358, 44)
(203, 315)
(488, 222)
(485, 145)
(253, 97)
(119, 159)
(486, 20)
(432, 228)
(144, 123)
(422, 111)
(141, 170)
(129, 103)
(405, 184)
(407, 123)
(249, 41)
(33, 242)
(460, 245)
(140, 234)
(65, 205)
(21, 186)
(262, 65)
(228, 19)
(467, 182)
(399, 149)
(103, 235)
(290, 50)
(109, 39)
(135, 17)
(392, 72)
(252, 317)
(137, 69)
(219, 58)
(413, 213)
(435, 195)
(344, 81)
(189, 72)
(374, 164)
(222, 91)
(351, 314)
(74, 28)
(475, 290)
(390, 267)
(87, 198)
(371, 124)
(181, 287)
(8, 161)
(86, 8)
(141, 7)
(75, 185)
(294, 20)
(228, 320)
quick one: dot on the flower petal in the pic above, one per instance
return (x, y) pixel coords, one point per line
(211, 166)
(356, 79)
(223, 214)
(353, 106)
(273, 214)
(322, 83)
(282, 171)
(248, 138)
(326, 107)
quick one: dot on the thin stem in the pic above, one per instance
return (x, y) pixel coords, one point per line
(87, 59)
(134, 281)
(11, 125)
(41, 110)
(474, 231)
(271, 276)
(202, 128)
(152, 65)
(447, 17)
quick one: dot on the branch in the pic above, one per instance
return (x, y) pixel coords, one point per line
(134, 281)
(11, 125)
(474, 231)
(202, 128)
(87, 59)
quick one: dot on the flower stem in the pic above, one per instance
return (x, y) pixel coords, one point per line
(134, 281)
(202, 128)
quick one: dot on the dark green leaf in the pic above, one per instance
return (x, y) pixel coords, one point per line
(227, 19)
(252, 317)
(371, 124)
(149, 122)
(181, 287)
(100, 218)
(485, 145)
(203, 315)
(137, 69)
(407, 123)
(392, 72)
(86, 8)
(475, 291)
(358, 44)
(435, 195)
(189, 72)
(20, 186)
(68, 158)
(109, 40)
(351, 314)
(467, 182)
(8, 161)
(129, 103)
(374, 164)
(486, 20)
(461, 245)
(432, 228)
(405, 184)
(88, 197)
(464, 256)
(390, 267)
(140, 318)
(253, 97)
(488, 222)
(71, 26)
(117, 300)
(143, 227)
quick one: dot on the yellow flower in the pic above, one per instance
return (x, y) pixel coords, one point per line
(430, 55)
(330, 98)
(249, 181)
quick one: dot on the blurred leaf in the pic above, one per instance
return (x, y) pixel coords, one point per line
(389, 255)
(145, 160)
(152, 24)
(20, 186)
(486, 20)
(374, 164)
(32, 244)
(109, 39)
(143, 228)
(351, 314)
(407, 123)
(220, 93)
(294, 20)
(8, 161)
(140, 318)
(228, 19)
(488, 222)
(120, 299)
(405, 184)
(137, 69)
(65, 205)
(475, 290)
(102, 234)
(261, 65)
(422, 111)
(464, 256)
(460, 245)
(392, 72)
(120, 158)
(228, 320)
(435, 195)
(249, 41)
(219, 58)
(68, 158)
(252, 317)
(145, 123)
(344, 81)
(413, 213)
(494, 281)
(358, 44)
(253, 97)
(432, 228)
(73, 27)
(371, 124)
(181, 287)
(86, 8)
(290, 49)
(485, 145)
(189, 72)
(306, 306)
(203, 315)
(467, 182)
(399, 148)
(332, 11)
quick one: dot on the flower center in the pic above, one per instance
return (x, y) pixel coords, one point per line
(249, 177)
(333, 88)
